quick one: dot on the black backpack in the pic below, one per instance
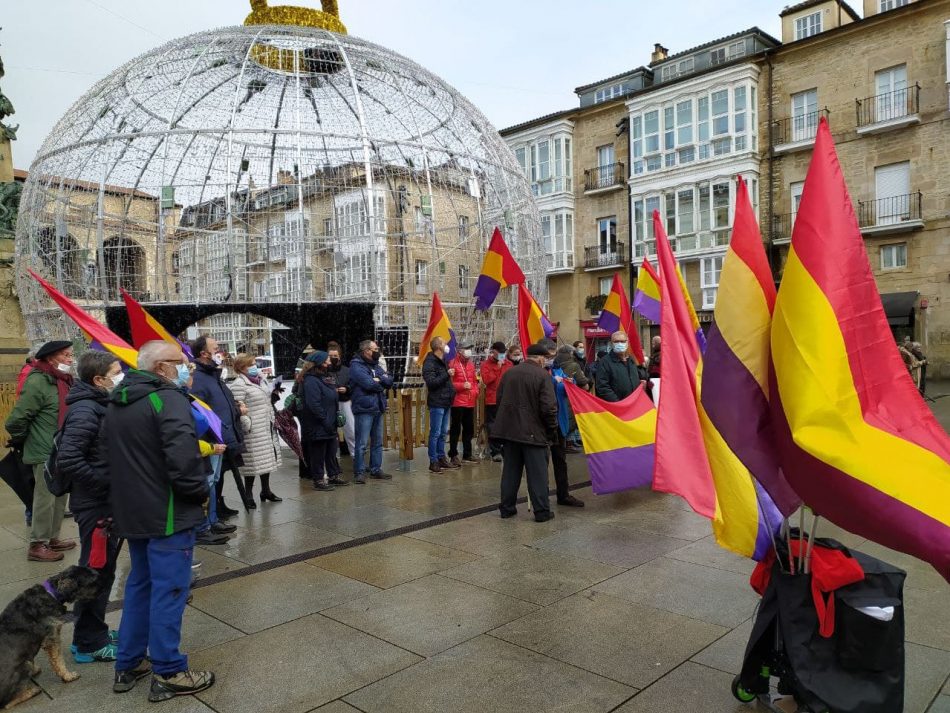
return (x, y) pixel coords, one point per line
(56, 481)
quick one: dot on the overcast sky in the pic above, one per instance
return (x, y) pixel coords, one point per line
(515, 59)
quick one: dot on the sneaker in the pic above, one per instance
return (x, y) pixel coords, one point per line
(41, 552)
(448, 464)
(184, 683)
(380, 476)
(434, 466)
(322, 484)
(209, 538)
(62, 545)
(339, 480)
(106, 653)
(221, 528)
(125, 680)
(571, 502)
(359, 479)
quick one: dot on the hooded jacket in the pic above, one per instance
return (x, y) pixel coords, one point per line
(492, 371)
(320, 405)
(157, 481)
(440, 390)
(208, 386)
(464, 373)
(35, 417)
(80, 454)
(527, 407)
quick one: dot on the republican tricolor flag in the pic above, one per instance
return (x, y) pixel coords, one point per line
(499, 269)
(533, 324)
(646, 298)
(856, 439)
(145, 328)
(616, 316)
(439, 326)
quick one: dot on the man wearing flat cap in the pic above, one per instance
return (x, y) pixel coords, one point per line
(527, 424)
(38, 413)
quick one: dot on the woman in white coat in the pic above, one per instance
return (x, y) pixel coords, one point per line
(262, 456)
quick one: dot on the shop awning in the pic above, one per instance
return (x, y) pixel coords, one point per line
(899, 308)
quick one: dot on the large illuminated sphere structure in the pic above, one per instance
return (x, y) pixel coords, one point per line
(274, 163)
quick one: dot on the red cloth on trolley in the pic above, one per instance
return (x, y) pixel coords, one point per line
(830, 569)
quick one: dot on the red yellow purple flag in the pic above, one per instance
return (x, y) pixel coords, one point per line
(616, 316)
(618, 438)
(533, 324)
(145, 328)
(856, 439)
(93, 330)
(439, 326)
(646, 298)
(735, 386)
(499, 269)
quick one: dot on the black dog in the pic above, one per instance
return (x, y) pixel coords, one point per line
(32, 621)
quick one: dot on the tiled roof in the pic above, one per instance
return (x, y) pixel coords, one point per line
(811, 3)
(537, 120)
(20, 175)
(643, 70)
(751, 31)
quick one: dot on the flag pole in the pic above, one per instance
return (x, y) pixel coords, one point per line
(811, 543)
(801, 538)
(758, 498)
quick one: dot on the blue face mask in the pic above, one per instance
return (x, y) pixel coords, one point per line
(500, 357)
(183, 374)
(620, 347)
(253, 371)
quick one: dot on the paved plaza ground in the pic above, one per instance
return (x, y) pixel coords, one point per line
(414, 596)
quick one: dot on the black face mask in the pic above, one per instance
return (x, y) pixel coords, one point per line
(334, 361)
(375, 357)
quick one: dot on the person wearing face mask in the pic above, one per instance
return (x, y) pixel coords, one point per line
(580, 356)
(157, 493)
(80, 459)
(262, 454)
(617, 372)
(514, 355)
(440, 393)
(492, 370)
(38, 413)
(341, 373)
(462, 420)
(368, 385)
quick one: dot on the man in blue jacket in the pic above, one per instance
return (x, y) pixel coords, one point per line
(368, 385)
(208, 386)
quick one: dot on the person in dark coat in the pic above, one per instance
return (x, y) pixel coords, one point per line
(617, 372)
(527, 423)
(655, 356)
(368, 385)
(441, 393)
(81, 460)
(207, 385)
(318, 421)
(341, 373)
(157, 486)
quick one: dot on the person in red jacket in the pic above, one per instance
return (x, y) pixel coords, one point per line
(24, 372)
(463, 407)
(492, 370)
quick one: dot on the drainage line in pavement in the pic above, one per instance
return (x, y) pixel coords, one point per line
(347, 544)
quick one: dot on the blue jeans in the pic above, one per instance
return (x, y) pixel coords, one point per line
(369, 426)
(216, 463)
(155, 596)
(438, 432)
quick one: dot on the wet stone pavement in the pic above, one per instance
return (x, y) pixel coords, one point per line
(413, 595)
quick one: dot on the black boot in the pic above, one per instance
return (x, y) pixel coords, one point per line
(222, 509)
(266, 494)
(249, 503)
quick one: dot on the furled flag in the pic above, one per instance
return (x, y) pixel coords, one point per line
(618, 438)
(98, 335)
(692, 459)
(856, 439)
(439, 326)
(616, 316)
(694, 320)
(735, 386)
(533, 324)
(499, 269)
(145, 328)
(646, 298)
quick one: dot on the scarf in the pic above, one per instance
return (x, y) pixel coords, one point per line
(63, 381)
(256, 380)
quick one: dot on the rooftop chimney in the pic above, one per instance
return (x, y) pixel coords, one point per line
(659, 53)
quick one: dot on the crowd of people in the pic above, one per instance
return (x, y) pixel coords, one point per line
(179, 422)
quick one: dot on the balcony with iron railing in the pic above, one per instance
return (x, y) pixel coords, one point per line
(782, 225)
(602, 257)
(606, 177)
(895, 214)
(795, 133)
(891, 110)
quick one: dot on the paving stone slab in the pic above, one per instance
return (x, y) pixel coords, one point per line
(260, 601)
(689, 687)
(487, 674)
(254, 546)
(337, 707)
(920, 574)
(925, 617)
(296, 667)
(393, 561)
(488, 534)
(16, 567)
(620, 546)
(537, 576)
(926, 670)
(365, 520)
(431, 614)
(680, 524)
(941, 704)
(707, 552)
(727, 653)
(623, 641)
(713, 595)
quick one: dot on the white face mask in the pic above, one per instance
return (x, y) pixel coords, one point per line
(467, 353)
(117, 379)
(580, 353)
(65, 368)
(217, 359)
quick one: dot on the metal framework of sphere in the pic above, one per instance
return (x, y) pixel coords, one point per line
(274, 164)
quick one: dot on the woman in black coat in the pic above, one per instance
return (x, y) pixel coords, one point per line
(318, 421)
(79, 458)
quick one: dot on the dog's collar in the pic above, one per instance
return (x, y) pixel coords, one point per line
(52, 592)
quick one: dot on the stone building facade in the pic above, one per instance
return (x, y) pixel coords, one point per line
(883, 82)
